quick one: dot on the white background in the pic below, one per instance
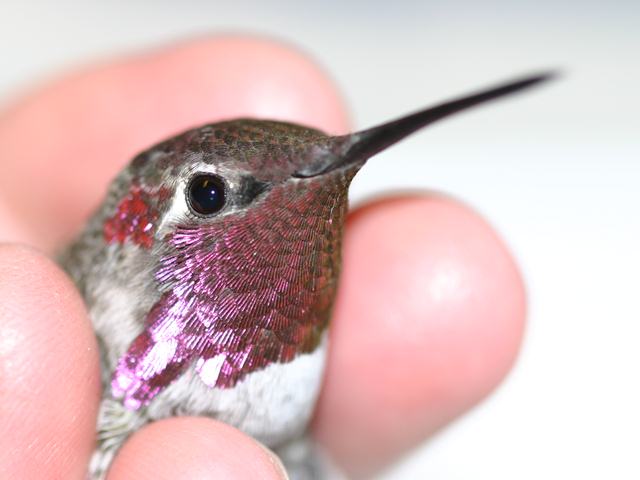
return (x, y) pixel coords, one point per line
(557, 171)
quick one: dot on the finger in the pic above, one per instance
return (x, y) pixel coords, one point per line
(61, 146)
(49, 386)
(428, 320)
(194, 448)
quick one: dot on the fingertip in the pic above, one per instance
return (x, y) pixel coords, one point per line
(49, 380)
(428, 320)
(249, 76)
(194, 448)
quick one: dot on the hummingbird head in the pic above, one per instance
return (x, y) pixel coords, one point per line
(240, 223)
(242, 242)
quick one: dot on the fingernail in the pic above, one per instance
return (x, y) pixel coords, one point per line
(277, 463)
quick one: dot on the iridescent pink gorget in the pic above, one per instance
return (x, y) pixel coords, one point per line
(239, 293)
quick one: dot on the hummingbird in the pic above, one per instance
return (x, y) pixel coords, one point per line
(210, 270)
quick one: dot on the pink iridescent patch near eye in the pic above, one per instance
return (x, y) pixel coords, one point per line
(135, 218)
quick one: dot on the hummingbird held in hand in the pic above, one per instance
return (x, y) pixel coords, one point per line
(210, 271)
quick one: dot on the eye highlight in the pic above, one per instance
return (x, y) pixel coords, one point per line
(206, 194)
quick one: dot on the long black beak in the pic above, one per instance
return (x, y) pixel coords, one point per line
(356, 148)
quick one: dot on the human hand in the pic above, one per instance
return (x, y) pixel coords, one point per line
(429, 314)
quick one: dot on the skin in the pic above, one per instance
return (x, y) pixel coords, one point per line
(429, 316)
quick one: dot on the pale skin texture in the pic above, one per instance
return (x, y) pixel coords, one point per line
(429, 315)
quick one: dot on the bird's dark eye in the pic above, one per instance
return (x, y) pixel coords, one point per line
(206, 194)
